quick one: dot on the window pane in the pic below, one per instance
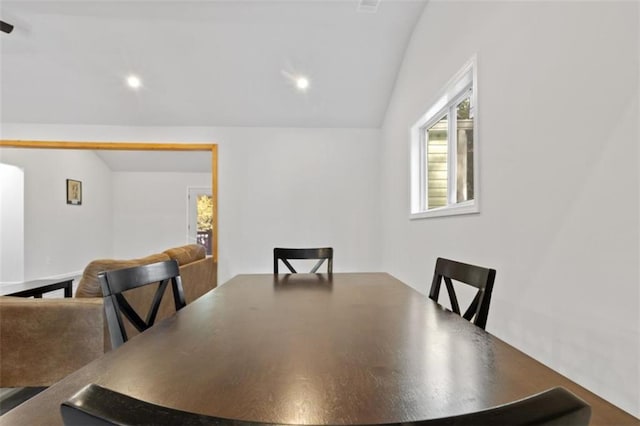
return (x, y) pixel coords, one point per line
(464, 154)
(205, 221)
(437, 141)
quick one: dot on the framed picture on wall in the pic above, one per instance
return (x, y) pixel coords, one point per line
(74, 192)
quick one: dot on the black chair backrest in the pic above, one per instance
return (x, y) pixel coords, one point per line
(286, 254)
(475, 276)
(115, 282)
(97, 406)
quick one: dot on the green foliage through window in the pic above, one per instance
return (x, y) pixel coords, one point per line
(205, 213)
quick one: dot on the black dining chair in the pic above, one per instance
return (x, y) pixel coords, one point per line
(115, 282)
(475, 276)
(286, 254)
(98, 406)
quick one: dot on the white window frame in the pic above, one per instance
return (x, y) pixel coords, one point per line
(454, 92)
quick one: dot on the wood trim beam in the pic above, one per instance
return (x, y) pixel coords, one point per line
(214, 193)
(114, 146)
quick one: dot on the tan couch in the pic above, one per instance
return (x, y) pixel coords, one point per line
(43, 340)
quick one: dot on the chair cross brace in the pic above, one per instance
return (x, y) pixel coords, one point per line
(313, 270)
(127, 310)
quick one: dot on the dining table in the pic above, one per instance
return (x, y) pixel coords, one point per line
(321, 349)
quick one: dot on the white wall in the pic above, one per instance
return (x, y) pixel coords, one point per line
(60, 238)
(276, 187)
(11, 224)
(150, 211)
(298, 187)
(558, 127)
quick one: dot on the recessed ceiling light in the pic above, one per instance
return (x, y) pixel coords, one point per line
(302, 83)
(134, 82)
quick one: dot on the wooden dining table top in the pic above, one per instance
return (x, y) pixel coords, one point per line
(346, 348)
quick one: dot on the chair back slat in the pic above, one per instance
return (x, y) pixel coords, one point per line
(472, 275)
(124, 308)
(475, 276)
(285, 254)
(455, 307)
(288, 265)
(157, 298)
(97, 406)
(115, 283)
(137, 276)
(473, 306)
(317, 266)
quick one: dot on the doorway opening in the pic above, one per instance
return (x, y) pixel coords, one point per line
(150, 149)
(200, 223)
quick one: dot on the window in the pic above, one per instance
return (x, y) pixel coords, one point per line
(200, 226)
(444, 147)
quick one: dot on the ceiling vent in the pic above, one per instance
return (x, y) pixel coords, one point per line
(369, 6)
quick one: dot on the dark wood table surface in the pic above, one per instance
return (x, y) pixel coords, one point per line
(310, 349)
(36, 288)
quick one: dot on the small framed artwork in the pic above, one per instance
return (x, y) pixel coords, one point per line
(74, 192)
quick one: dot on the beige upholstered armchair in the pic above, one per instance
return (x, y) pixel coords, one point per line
(43, 340)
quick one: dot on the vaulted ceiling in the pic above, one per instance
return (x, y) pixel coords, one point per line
(203, 63)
